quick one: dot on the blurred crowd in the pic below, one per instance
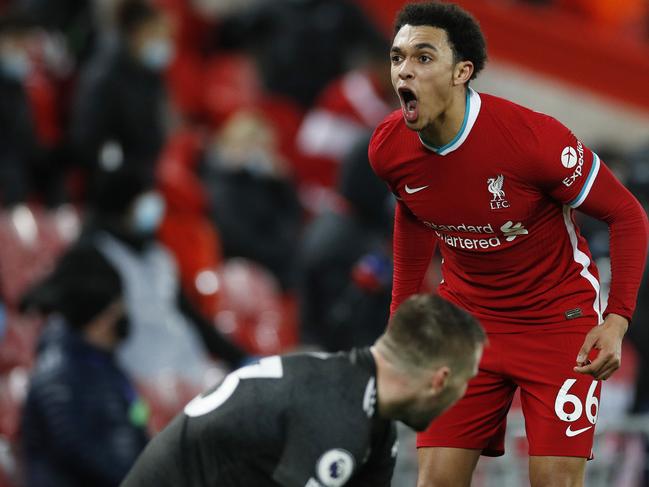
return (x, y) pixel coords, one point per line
(184, 186)
(628, 17)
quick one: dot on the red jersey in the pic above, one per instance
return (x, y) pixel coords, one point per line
(499, 201)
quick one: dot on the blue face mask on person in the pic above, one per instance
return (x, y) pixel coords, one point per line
(15, 65)
(3, 321)
(148, 213)
(157, 54)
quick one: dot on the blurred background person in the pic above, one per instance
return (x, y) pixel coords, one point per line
(253, 200)
(17, 133)
(347, 107)
(121, 103)
(345, 270)
(83, 422)
(168, 336)
(27, 168)
(299, 47)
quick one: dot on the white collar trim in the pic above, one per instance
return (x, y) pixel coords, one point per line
(473, 104)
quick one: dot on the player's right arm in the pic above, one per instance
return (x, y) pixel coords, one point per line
(412, 249)
(412, 242)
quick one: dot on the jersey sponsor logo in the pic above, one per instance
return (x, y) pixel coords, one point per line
(369, 398)
(469, 243)
(568, 157)
(461, 228)
(335, 467)
(511, 230)
(571, 159)
(415, 190)
(570, 433)
(495, 187)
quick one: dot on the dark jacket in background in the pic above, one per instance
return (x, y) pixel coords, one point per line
(345, 270)
(258, 218)
(121, 101)
(17, 141)
(300, 46)
(83, 424)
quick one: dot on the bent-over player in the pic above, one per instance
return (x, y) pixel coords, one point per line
(317, 419)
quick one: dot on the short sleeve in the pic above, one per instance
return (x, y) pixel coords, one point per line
(562, 165)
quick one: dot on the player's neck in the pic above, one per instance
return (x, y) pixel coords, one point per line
(390, 386)
(447, 125)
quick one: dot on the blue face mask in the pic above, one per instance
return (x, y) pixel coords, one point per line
(3, 321)
(15, 65)
(157, 54)
(148, 213)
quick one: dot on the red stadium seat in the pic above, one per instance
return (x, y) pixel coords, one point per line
(13, 389)
(9, 470)
(196, 246)
(252, 309)
(18, 345)
(166, 396)
(230, 83)
(31, 239)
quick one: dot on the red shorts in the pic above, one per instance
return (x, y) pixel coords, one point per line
(560, 406)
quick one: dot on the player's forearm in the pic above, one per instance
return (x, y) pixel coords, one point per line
(628, 249)
(629, 235)
(413, 247)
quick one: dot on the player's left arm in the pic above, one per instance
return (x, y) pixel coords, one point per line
(609, 201)
(575, 176)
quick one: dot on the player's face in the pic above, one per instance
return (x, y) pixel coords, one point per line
(422, 73)
(427, 407)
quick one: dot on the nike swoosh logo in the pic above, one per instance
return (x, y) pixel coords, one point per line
(570, 433)
(414, 190)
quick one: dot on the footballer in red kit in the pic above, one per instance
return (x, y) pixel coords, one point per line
(495, 186)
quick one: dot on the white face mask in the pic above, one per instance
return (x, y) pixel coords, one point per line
(157, 54)
(15, 64)
(148, 211)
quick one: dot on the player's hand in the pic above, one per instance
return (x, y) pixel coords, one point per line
(607, 338)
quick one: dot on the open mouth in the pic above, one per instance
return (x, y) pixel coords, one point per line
(409, 104)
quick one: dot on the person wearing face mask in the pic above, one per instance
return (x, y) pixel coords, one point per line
(121, 97)
(83, 422)
(17, 132)
(253, 200)
(168, 336)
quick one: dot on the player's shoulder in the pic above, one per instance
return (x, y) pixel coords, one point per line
(391, 123)
(515, 112)
(526, 130)
(316, 362)
(347, 375)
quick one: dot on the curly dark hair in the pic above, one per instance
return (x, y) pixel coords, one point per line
(463, 31)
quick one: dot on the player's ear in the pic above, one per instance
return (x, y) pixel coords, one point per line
(462, 73)
(439, 379)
